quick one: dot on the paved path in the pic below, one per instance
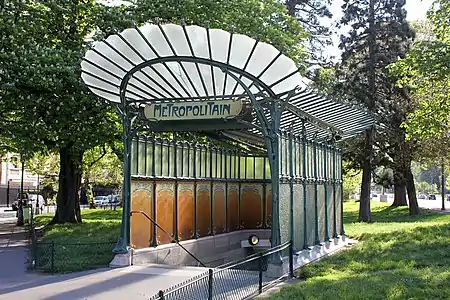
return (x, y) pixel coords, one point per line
(135, 282)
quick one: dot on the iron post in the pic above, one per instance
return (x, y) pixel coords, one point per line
(334, 181)
(305, 221)
(291, 185)
(316, 196)
(325, 185)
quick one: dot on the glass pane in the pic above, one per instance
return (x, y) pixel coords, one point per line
(158, 159)
(214, 164)
(179, 160)
(232, 166)
(165, 160)
(206, 163)
(259, 170)
(186, 159)
(199, 163)
(242, 166)
(133, 158)
(149, 154)
(172, 161)
(191, 163)
(224, 160)
(250, 168)
(268, 175)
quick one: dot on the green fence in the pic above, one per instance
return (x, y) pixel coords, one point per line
(65, 258)
(55, 257)
(237, 280)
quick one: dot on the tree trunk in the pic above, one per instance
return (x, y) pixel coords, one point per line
(412, 197)
(364, 203)
(290, 5)
(399, 190)
(67, 200)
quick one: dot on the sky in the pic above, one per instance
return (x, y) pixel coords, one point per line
(416, 10)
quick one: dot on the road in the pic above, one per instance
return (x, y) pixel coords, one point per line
(423, 203)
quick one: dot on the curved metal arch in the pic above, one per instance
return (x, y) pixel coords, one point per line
(204, 61)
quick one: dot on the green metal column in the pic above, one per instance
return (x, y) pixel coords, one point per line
(334, 182)
(291, 183)
(325, 185)
(123, 242)
(273, 149)
(305, 196)
(341, 196)
(316, 208)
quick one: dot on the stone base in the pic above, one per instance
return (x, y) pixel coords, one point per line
(122, 260)
(307, 256)
(316, 252)
(211, 250)
(277, 270)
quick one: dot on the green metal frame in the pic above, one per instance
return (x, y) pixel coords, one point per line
(269, 128)
(268, 108)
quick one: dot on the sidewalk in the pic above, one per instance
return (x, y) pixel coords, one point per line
(13, 253)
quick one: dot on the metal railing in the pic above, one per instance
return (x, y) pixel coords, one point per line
(168, 234)
(236, 280)
(53, 257)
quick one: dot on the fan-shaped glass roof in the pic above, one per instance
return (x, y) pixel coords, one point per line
(160, 63)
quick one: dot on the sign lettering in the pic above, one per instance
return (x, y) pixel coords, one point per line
(193, 110)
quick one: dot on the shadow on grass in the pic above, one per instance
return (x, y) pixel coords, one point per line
(397, 284)
(392, 214)
(412, 264)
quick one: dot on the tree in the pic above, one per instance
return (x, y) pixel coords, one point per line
(266, 19)
(310, 13)
(379, 34)
(42, 98)
(425, 70)
(43, 93)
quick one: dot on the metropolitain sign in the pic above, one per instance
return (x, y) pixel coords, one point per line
(195, 110)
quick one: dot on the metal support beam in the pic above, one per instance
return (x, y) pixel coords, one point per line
(123, 242)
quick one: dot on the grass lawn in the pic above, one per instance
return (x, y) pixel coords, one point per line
(78, 247)
(398, 257)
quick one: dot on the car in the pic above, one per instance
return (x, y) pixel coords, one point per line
(98, 200)
(422, 196)
(36, 201)
(431, 197)
(114, 200)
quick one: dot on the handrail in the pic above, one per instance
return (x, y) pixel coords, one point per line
(168, 234)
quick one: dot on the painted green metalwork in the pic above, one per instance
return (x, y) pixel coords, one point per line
(305, 195)
(316, 208)
(325, 182)
(291, 183)
(335, 233)
(341, 183)
(206, 163)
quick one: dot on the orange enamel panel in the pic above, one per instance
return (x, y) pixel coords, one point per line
(233, 208)
(203, 209)
(185, 211)
(219, 207)
(165, 198)
(141, 200)
(251, 206)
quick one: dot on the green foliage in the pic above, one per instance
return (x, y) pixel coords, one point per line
(102, 167)
(426, 71)
(267, 19)
(352, 182)
(398, 257)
